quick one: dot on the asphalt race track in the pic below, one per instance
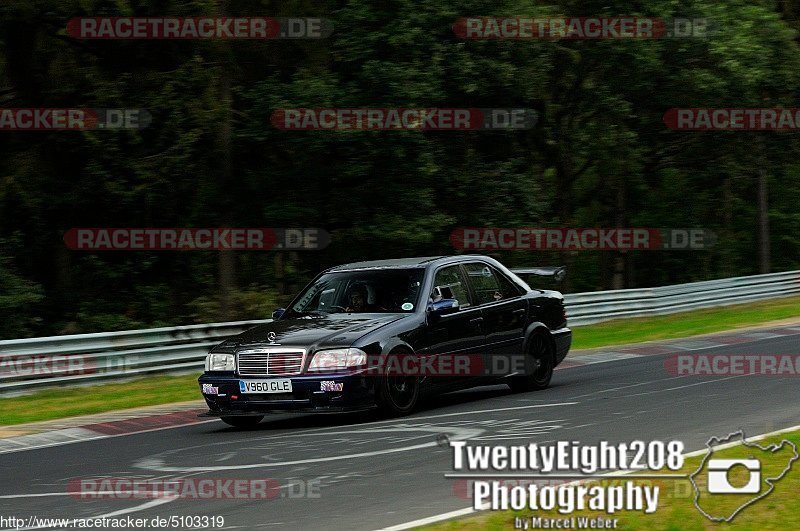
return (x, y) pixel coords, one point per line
(371, 474)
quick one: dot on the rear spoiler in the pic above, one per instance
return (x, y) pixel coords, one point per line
(556, 273)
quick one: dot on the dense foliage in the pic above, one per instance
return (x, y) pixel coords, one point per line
(600, 155)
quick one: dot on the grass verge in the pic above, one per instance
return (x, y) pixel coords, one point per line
(685, 324)
(62, 402)
(153, 390)
(780, 509)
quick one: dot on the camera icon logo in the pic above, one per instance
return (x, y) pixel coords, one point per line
(718, 482)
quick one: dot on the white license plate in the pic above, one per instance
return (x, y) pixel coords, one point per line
(280, 385)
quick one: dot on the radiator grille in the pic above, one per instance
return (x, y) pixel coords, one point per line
(270, 362)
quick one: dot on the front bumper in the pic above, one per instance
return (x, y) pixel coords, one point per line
(225, 398)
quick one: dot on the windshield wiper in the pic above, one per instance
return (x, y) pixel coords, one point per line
(319, 313)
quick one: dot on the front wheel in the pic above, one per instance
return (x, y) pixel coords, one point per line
(397, 395)
(242, 422)
(542, 365)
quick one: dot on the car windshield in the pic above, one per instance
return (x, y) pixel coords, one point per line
(382, 291)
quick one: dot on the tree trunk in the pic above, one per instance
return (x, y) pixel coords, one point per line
(726, 252)
(227, 259)
(763, 213)
(620, 221)
(280, 270)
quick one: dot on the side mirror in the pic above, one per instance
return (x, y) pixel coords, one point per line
(278, 312)
(443, 307)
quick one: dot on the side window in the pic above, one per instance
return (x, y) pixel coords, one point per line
(484, 283)
(449, 284)
(507, 288)
(488, 284)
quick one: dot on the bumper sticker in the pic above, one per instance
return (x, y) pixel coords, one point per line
(330, 386)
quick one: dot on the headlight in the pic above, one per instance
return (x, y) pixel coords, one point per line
(219, 362)
(338, 359)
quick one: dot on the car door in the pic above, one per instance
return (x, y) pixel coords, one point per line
(504, 313)
(457, 335)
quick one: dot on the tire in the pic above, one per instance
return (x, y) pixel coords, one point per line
(242, 422)
(541, 350)
(397, 395)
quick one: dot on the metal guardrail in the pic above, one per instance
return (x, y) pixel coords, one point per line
(87, 358)
(597, 306)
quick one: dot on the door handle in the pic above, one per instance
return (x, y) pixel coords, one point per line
(519, 311)
(476, 321)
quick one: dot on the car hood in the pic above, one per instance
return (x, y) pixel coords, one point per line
(337, 330)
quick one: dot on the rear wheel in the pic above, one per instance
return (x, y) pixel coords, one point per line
(242, 422)
(542, 364)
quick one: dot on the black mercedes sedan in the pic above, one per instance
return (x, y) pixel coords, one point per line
(384, 333)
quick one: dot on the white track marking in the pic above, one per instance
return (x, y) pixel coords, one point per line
(485, 411)
(98, 436)
(685, 386)
(628, 386)
(137, 508)
(458, 434)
